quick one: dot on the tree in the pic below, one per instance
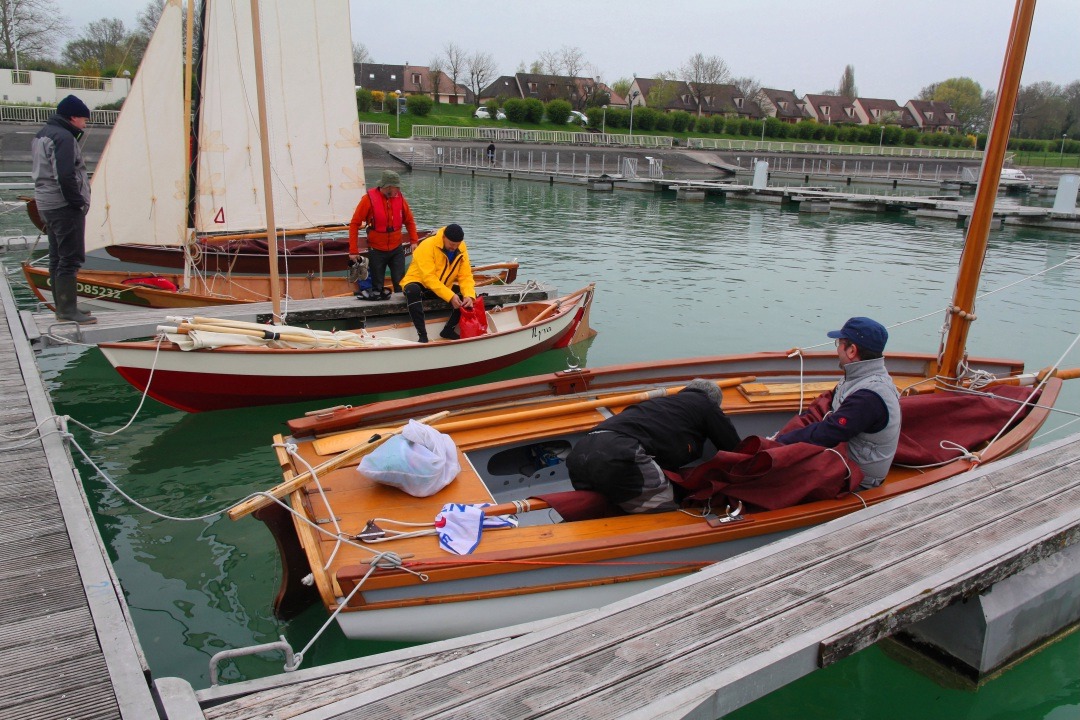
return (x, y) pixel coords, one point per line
(103, 45)
(454, 62)
(549, 63)
(435, 72)
(965, 96)
(1040, 110)
(573, 60)
(481, 69)
(663, 90)
(360, 54)
(29, 29)
(749, 88)
(621, 86)
(702, 76)
(847, 83)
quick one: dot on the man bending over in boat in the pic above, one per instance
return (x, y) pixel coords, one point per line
(865, 406)
(624, 457)
(440, 267)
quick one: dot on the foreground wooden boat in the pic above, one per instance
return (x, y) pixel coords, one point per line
(305, 365)
(511, 439)
(108, 290)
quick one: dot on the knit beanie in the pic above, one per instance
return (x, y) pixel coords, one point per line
(72, 107)
(454, 233)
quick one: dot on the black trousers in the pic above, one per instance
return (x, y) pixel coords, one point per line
(67, 240)
(379, 260)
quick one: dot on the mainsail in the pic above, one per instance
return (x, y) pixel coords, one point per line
(138, 191)
(314, 134)
(139, 188)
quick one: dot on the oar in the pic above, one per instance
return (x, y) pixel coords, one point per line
(337, 443)
(279, 491)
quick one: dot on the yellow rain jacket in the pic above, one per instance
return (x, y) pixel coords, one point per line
(432, 268)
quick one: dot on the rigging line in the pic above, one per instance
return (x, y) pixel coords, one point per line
(981, 296)
(142, 400)
(291, 448)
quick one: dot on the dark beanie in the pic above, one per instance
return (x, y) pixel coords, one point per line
(454, 233)
(72, 107)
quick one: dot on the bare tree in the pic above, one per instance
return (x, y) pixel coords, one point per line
(573, 60)
(103, 44)
(549, 62)
(481, 68)
(435, 72)
(702, 75)
(455, 61)
(360, 54)
(847, 83)
(29, 29)
(750, 89)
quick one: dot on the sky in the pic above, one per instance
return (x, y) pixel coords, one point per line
(896, 48)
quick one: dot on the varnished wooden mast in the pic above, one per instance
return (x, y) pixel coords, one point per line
(962, 311)
(264, 144)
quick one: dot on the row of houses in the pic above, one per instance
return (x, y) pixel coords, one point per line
(719, 99)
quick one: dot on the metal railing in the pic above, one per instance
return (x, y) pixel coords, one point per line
(20, 77)
(554, 137)
(827, 149)
(82, 82)
(28, 114)
(539, 162)
(370, 129)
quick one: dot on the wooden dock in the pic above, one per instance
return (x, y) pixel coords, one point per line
(43, 328)
(69, 650)
(712, 642)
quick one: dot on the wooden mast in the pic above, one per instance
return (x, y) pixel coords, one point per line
(189, 68)
(962, 310)
(264, 145)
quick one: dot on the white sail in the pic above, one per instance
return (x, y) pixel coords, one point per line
(318, 172)
(138, 191)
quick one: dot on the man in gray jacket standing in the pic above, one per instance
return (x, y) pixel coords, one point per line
(62, 193)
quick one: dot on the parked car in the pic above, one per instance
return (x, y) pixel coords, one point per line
(482, 113)
(578, 117)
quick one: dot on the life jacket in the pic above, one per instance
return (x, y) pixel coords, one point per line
(380, 222)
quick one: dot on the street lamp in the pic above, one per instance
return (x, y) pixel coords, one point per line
(397, 111)
(1062, 153)
(633, 97)
(603, 121)
(881, 140)
(762, 129)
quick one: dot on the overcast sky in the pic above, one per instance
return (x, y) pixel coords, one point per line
(802, 45)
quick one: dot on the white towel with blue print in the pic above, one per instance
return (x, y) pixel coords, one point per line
(459, 526)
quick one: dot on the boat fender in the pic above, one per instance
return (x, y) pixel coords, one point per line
(157, 283)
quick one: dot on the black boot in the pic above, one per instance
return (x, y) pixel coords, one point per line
(416, 312)
(64, 299)
(449, 330)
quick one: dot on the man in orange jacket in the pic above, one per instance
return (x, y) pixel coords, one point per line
(383, 210)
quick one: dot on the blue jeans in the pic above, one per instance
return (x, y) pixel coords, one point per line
(67, 241)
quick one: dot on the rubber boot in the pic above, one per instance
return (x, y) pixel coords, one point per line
(65, 299)
(448, 330)
(416, 312)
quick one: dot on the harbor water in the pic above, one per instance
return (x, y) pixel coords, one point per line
(674, 279)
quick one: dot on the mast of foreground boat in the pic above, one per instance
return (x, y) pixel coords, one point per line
(189, 68)
(962, 310)
(264, 146)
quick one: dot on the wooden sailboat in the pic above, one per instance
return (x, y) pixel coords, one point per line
(118, 290)
(316, 171)
(511, 438)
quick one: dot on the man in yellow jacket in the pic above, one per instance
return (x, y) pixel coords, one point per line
(440, 267)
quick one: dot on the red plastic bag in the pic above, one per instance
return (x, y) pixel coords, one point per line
(473, 322)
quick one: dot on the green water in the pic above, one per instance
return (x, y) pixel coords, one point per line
(674, 279)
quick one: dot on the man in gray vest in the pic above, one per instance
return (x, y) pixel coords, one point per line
(62, 193)
(865, 408)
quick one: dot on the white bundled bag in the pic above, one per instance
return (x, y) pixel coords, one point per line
(421, 461)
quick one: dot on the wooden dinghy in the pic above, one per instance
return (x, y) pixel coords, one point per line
(300, 364)
(511, 439)
(114, 290)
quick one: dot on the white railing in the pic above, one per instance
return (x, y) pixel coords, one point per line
(827, 149)
(82, 82)
(440, 132)
(20, 77)
(369, 129)
(29, 114)
(528, 161)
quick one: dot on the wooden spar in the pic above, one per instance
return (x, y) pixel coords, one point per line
(189, 68)
(299, 338)
(540, 413)
(337, 443)
(558, 303)
(962, 310)
(264, 145)
(279, 491)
